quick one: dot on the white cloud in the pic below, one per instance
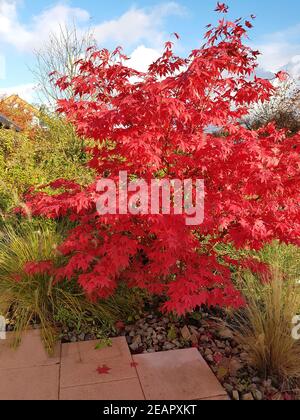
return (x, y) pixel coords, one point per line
(281, 51)
(142, 57)
(140, 30)
(30, 36)
(25, 91)
(10, 29)
(135, 26)
(294, 65)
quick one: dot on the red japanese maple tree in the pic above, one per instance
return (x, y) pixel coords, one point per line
(168, 122)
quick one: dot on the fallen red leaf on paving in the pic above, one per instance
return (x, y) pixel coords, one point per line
(103, 370)
(134, 364)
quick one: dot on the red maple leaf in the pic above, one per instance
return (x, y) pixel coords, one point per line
(222, 8)
(103, 370)
(134, 364)
(41, 267)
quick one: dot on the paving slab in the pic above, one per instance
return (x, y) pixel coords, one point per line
(28, 373)
(30, 353)
(33, 383)
(80, 361)
(177, 375)
(126, 390)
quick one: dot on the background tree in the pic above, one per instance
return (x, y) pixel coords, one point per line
(283, 109)
(60, 54)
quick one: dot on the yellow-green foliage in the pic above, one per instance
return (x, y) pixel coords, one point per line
(38, 158)
(285, 258)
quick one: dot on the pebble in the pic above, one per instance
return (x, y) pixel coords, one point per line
(248, 397)
(150, 330)
(194, 330)
(185, 333)
(227, 351)
(267, 384)
(244, 356)
(128, 328)
(235, 395)
(258, 395)
(169, 346)
(229, 388)
(226, 334)
(209, 358)
(136, 343)
(220, 344)
(208, 352)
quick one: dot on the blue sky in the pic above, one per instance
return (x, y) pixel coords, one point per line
(141, 26)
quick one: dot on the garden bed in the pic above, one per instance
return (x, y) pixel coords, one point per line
(206, 331)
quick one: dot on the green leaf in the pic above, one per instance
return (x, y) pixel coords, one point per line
(105, 342)
(172, 333)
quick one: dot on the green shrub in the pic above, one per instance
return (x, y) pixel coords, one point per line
(39, 157)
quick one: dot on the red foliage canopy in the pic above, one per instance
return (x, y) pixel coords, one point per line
(161, 122)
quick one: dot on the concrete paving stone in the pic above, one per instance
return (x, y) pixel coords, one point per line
(80, 361)
(33, 383)
(126, 390)
(30, 353)
(177, 375)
